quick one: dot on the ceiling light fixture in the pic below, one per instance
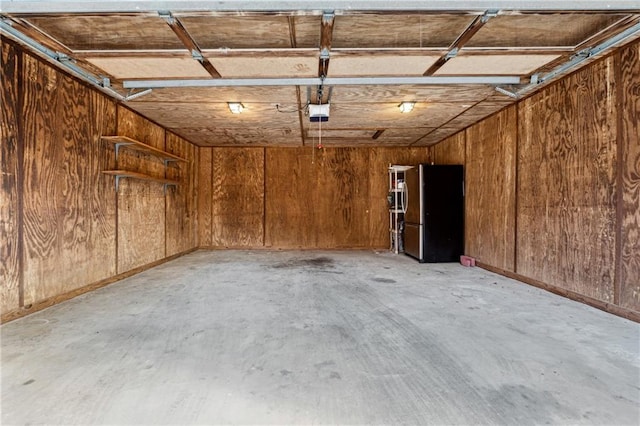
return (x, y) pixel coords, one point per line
(406, 106)
(235, 107)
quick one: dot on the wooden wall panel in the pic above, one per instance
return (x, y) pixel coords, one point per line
(237, 211)
(9, 184)
(69, 215)
(379, 160)
(290, 216)
(490, 191)
(320, 202)
(630, 188)
(205, 186)
(451, 150)
(194, 185)
(566, 180)
(342, 191)
(180, 200)
(141, 204)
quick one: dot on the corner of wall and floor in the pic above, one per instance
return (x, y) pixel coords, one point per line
(64, 230)
(552, 186)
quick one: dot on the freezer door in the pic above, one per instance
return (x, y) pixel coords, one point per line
(413, 188)
(444, 213)
(413, 240)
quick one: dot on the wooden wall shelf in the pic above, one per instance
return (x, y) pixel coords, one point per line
(124, 141)
(127, 142)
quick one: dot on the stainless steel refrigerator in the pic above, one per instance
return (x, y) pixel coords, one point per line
(434, 221)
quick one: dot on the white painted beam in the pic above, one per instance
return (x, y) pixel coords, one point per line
(316, 6)
(336, 81)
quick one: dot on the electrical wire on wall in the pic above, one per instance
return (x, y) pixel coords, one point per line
(304, 109)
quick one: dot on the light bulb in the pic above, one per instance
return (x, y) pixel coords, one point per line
(235, 107)
(406, 106)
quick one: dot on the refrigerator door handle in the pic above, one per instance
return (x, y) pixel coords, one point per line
(405, 197)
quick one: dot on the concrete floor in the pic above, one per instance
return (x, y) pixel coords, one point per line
(313, 337)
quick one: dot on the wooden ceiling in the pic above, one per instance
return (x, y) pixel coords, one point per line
(178, 47)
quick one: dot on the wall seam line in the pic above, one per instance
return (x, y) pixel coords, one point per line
(116, 197)
(517, 188)
(264, 196)
(20, 171)
(619, 104)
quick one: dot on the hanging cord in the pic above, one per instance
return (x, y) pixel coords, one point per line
(320, 96)
(320, 133)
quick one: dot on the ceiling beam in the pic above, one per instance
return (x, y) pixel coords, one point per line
(294, 43)
(582, 57)
(138, 6)
(300, 114)
(189, 43)
(209, 53)
(605, 34)
(316, 81)
(59, 59)
(326, 36)
(31, 31)
(462, 39)
(292, 31)
(304, 52)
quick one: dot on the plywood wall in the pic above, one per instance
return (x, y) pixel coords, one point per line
(69, 214)
(451, 150)
(290, 213)
(10, 271)
(567, 183)
(237, 197)
(571, 159)
(490, 193)
(629, 157)
(328, 204)
(297, 197)
(181, 209)
(63, 228)
(231, 197)
(552, 188)
(205, 191)
(141, 204)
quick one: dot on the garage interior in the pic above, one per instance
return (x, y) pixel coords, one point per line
(161, 255)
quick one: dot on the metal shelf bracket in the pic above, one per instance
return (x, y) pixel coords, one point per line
(166, 185)
(118, 145)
